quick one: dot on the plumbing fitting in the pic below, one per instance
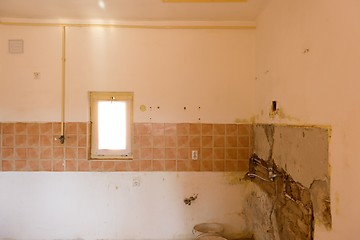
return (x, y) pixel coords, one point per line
(269, 166)
(253, 175)
(272, 172)
(189, 200)
(62, 139)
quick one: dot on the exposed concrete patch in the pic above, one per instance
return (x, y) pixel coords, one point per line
(282, 210)
(233, 178)
(260, 216)
(295, 215)
(302, 153)
(262, 147)
(303, 193)
(321, 200)
(269, 132)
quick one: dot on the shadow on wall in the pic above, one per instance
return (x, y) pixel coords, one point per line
(290, 167)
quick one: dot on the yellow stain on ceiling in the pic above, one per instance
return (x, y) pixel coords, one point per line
(204, 1)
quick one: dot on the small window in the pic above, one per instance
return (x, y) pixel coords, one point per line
(111, 125)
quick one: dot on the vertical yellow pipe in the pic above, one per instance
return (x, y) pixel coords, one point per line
(63, 85)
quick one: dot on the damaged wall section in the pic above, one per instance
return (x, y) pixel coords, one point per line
(301, 191)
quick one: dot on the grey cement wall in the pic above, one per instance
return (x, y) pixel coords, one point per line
(302, 194)
(260, 215)
(302, 152)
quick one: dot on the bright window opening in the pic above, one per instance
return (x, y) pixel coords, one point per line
(112, 125)
(111, 118)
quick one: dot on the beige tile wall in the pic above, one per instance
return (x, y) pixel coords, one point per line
(157, 147)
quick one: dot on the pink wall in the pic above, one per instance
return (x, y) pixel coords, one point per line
(307, 59)
(53, 192)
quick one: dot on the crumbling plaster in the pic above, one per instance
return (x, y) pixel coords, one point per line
(300, 151)
(301, 155)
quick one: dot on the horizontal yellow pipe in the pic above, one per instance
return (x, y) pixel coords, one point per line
(125, 26)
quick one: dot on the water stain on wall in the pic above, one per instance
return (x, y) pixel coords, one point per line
(233, 178)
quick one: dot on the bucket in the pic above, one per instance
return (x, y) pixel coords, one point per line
(210, 229)
(209, 237)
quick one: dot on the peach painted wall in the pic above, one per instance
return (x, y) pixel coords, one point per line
(23, 98)
(92, 206)
(308, 60)
(171, 69)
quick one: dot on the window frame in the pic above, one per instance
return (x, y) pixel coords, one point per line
(95, 97)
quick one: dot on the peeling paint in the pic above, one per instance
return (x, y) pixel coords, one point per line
(320, 197)
(282, 115)
(337, 203)
(269, 132)
(250, 120)
(303, 152)
(233, 178)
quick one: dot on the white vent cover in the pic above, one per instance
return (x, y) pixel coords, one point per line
(16, 46)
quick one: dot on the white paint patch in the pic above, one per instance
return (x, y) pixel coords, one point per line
(44, 205)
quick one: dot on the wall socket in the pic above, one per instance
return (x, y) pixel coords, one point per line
(136, 182)
(194, 154)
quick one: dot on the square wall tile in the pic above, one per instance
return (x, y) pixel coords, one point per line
(20, 140)
(170, 129)
(146, 141)
(182, 141)
(71, 128)
(231, 129)
(82, 128)
(170, 141)
(20, 128)
(7, 165)
(141, 129)
(243, 129)
(20, 165)
(71, 165)
(219, 129)
(46, 128)
(206, 129)
(33, 128)
(157, 147)
(170, 165)
(146, 165)
(195, 141)
(159, 165)
(183, 129)
(158, 129)
(158, 141)
(206, 166)
(7, 128)
(8, 140)
(45, 165)
(33, 165)
(195, 129)
(57, 165)
(7, 153)
(206, 141)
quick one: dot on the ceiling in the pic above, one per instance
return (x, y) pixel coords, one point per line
(131, 10)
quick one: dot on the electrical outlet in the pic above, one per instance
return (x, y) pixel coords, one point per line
(136, 182)
(194, 155)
